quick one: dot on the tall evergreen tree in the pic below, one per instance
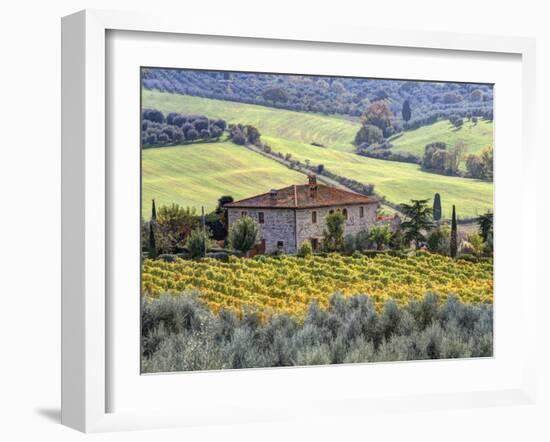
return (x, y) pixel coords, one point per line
(454, 235)
(419, 221)
(154, 213)
(152, 242)
(485, 223)
(406, 111)
(437, 207)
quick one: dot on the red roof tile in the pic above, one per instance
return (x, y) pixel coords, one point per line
(301, 196)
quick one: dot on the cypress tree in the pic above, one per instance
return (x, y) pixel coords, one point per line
(437, 207)
(154, 213)
(152, 224)
(454, 235)
(406, 111)
(152, 242)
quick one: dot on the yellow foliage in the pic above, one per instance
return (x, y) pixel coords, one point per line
(287, 284)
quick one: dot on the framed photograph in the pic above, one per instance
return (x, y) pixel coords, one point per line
(278, 223)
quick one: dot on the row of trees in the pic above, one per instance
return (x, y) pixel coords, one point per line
(175, 230)
(329, 95)
(424, 228)
(441, 159)
(176, 128)
(438, 157)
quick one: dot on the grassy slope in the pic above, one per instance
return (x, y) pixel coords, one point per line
(292, 132)
(399, 182)
(338, 132)
(199, 174)
(475, 137)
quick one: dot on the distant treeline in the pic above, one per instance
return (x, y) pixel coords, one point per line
(428, 101)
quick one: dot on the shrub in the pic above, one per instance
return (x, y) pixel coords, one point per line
(349, 244)
(152, 115)
(243, 235)
(180, 333)
(381, 236)
(362, 240)
(305, 249)
(333, 235)
(439, 240)
(198, 242)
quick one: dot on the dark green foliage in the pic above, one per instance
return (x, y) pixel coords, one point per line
(418, 221)
(350, 244)
(244, 234)
(333, 234)
(454, 235)
(406, 110)
(275, 95)
(437, 207)
(438, 158)
(485, 223)
(381, 236)
(439, 240)
(244, 134)
(198, 242)
(347, 96)
(156, 131)
(154, 212)
(180, 333)
(305, 249)
(369, 134)
(152, 242)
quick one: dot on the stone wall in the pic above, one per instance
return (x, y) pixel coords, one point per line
(354, 224)
(278, 226)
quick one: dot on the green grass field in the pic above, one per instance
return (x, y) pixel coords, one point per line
(288, 132)
(338, 132)
(198, 174)
(398, 182)
(475, 137)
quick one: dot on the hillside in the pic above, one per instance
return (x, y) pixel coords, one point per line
(293, 132)
(338, 132)
(328, 95)
(475, 136)
(398, 182)
(199, 174)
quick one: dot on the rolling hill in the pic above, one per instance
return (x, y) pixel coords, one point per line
(338, 132)
(475, 136)
(292, 132)
(198, 174)
(398, 182)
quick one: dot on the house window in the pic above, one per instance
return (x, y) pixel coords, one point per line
(243, 213)
(280, 244)
(314, 217)
(345, 213)
(331, 211)
(261, 217)
(361, 212)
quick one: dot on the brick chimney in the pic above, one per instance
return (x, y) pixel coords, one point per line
(312, 186)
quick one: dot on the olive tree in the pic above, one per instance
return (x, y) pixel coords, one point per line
(244, 234)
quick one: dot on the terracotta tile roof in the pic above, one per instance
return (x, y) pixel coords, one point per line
(302, 196)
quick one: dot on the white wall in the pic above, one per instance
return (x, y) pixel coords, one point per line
(30, 221)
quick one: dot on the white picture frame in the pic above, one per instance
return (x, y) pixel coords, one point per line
(85, 234)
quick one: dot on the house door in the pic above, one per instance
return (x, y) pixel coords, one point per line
(258, 249)
(314, 244)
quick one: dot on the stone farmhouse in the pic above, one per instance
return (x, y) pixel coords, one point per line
(290, 216)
